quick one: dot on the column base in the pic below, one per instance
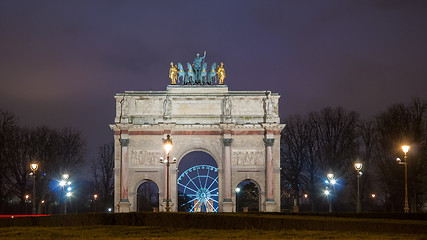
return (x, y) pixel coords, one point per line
(270, 206)
(124, 205)
(227, 205)
(163, 205)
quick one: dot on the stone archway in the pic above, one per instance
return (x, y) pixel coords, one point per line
(198, 183)
(148, 196)
(239, 129)
(248, 196)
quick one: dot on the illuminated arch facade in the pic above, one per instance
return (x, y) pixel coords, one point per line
(239, 129)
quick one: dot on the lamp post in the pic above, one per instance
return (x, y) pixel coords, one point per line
(69, 194)
(167, 144)
(34, 167)
(373, 195)
(95, 196)
(237, 189)
(358, 166)
(405, 150)
(62, 183)
(26, 203)
(331, 181)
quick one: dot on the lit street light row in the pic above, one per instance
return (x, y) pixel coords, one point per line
(358, 167)
(63, 183)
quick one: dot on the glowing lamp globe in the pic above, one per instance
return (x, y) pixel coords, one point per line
(358, 166)
(167, 144)
(34, 167)
(405, 149)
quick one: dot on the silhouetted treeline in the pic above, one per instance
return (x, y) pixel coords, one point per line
(330, 141)
(57, 151)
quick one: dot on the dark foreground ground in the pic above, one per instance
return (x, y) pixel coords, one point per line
(141, 232)
(214, 226)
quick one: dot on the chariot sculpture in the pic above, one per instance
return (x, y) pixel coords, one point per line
(197, 73)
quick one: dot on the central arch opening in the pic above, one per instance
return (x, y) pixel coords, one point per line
(197, 183)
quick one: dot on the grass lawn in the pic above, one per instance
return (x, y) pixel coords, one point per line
(139, 232)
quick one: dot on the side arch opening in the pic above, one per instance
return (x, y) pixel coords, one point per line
(148, 196)
(247, 196)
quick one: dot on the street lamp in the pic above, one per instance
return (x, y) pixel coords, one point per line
(358, 166)
(331, 181)
(34, 167)
(26, 203)
(373, 205)
(238, 200)
(405, 150)
(63, 183)
(65, 176)
(69, 194)
(167, 144)
(95, 196)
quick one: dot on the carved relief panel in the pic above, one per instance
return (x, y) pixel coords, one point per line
(145, 157)
(248, 157)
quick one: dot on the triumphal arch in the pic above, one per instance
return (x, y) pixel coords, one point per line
(239, 129)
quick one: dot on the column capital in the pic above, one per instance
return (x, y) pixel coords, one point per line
(227, 141)
(269, 142)
(124, 142)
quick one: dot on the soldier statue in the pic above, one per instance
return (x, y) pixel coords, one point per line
(173, 73)
(221, 74)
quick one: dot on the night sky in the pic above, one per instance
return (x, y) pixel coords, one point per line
(62, 62)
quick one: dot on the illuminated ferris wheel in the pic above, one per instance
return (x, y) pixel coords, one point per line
(198, 185)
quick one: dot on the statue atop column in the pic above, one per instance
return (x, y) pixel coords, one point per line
(197, 73)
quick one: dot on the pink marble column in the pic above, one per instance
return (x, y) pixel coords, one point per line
(227, 169)
(124, 166)
(269, 169)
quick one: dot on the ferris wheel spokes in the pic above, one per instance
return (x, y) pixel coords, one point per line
(200, 184)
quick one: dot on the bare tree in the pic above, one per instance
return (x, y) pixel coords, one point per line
(18, 158)
(399, 125)
(69, 152)
(8, 126)
(368, 137)
(103, 174)
(335, 132)
(312, 171)
(293, 155)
